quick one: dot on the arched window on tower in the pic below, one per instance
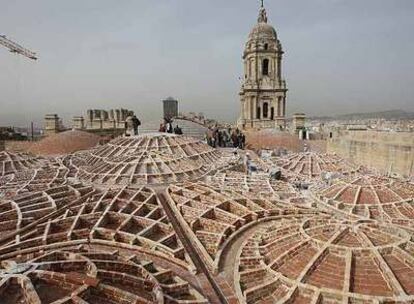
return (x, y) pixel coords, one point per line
(272, 113)
(266, 46)
(265, 109)
(265, 67)
(258, 113)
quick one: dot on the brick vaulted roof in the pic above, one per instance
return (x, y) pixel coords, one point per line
(147, 159)
(17, 162)
(373, 197)
(167, 219)
(310, 165)
(325, 258)
(65, 142)
(102, 248)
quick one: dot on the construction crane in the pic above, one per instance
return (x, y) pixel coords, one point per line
(16, 48)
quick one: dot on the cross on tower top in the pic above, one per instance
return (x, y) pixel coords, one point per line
(262, 3)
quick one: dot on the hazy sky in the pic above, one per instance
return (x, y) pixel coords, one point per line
(341, 55)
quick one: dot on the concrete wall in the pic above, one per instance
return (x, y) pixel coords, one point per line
(388, 152)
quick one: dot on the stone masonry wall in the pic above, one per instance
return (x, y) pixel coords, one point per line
(388, 152)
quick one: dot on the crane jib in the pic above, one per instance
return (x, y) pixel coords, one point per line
(16, 48)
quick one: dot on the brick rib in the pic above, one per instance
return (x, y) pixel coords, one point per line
(190, 248)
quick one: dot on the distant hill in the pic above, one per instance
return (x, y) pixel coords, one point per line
(391, 114)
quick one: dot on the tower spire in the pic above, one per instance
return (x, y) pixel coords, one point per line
(262, 14)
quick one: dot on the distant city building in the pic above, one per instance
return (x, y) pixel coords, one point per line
(299, 121)
(357, 127)
(170, 107)
(102, 121)
(78, 122)
(11, 133)
(52, 124)
(298, 124)
(263, 93)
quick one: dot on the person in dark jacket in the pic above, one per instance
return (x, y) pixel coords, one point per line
(178, 131)
(242, 140)
(235, 139)
(135, 124)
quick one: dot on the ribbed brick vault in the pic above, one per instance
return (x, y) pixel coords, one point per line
(103, 245)
(325, 259)
(374, 197)
(310, 165)
(156, 159)
(30, 181)
(212, 215)
(167, 219)
(17, 162)
(89, 274)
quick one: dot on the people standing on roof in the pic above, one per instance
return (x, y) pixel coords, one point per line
(162, 128)
(209, 137)
(216, 137)
(247, 163)
(220, 139)
(178, 131)
(169, 127)
(126, 127)
(135, 124)
(213, 139)
(242, 140)
(235, 139)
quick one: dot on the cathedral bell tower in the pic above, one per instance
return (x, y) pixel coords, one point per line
(263, 93)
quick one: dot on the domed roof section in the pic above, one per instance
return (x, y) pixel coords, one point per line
(263, 30)
(65, 142)
(147, 159)
(14, 162)
(312, 256)
(370, 196)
